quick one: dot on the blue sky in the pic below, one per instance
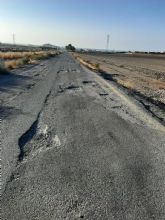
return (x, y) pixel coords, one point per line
(132, 24)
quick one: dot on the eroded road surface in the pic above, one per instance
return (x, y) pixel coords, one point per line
(74, 149)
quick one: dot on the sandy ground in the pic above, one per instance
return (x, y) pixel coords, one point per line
(142, 73)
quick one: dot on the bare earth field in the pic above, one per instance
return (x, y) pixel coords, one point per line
(143, 73)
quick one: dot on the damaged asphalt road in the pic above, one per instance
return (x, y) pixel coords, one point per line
(77, 150)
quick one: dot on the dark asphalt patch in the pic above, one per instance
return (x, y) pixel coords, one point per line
(103, 94)
(107, 76)
(30, 86)
(87, 82)
(70, 88)
(26, 137)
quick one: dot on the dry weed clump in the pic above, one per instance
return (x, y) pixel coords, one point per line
(126, 84)
(93, 66)
(12, 60)
(14, 55)
(12, 64)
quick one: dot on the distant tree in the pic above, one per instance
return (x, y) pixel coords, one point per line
(70, 47)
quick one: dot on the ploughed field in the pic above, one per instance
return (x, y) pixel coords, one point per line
(143, 73)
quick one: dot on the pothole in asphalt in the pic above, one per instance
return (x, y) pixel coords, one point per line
(70, 88)
(75, 70)
(25, 138)
(107, 76)
(103, 94)
(61, 70)
(30, 86)
(89, 82)
(117, 107)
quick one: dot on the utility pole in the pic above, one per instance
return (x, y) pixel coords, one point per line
(13, 38)
(107, 44)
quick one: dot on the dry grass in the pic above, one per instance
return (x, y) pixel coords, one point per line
(18, 55)
(12, 64)
(93, 66)
(126, 84)
(136, 73)
(96, 66)
(14, 60)
(14, 55)
(159, 85)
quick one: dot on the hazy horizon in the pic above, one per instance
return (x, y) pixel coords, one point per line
(132, 25)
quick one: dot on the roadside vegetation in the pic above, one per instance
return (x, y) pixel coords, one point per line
(89, 64)
(13, 60)
(70, 47)
(142, 74)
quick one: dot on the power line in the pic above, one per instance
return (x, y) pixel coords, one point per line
(13, 38)
(107, 44)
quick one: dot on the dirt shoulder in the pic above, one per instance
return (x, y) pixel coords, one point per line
(143, 76)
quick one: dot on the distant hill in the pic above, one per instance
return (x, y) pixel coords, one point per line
(49, 45)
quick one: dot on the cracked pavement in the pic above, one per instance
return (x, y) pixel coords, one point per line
(78, 150)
